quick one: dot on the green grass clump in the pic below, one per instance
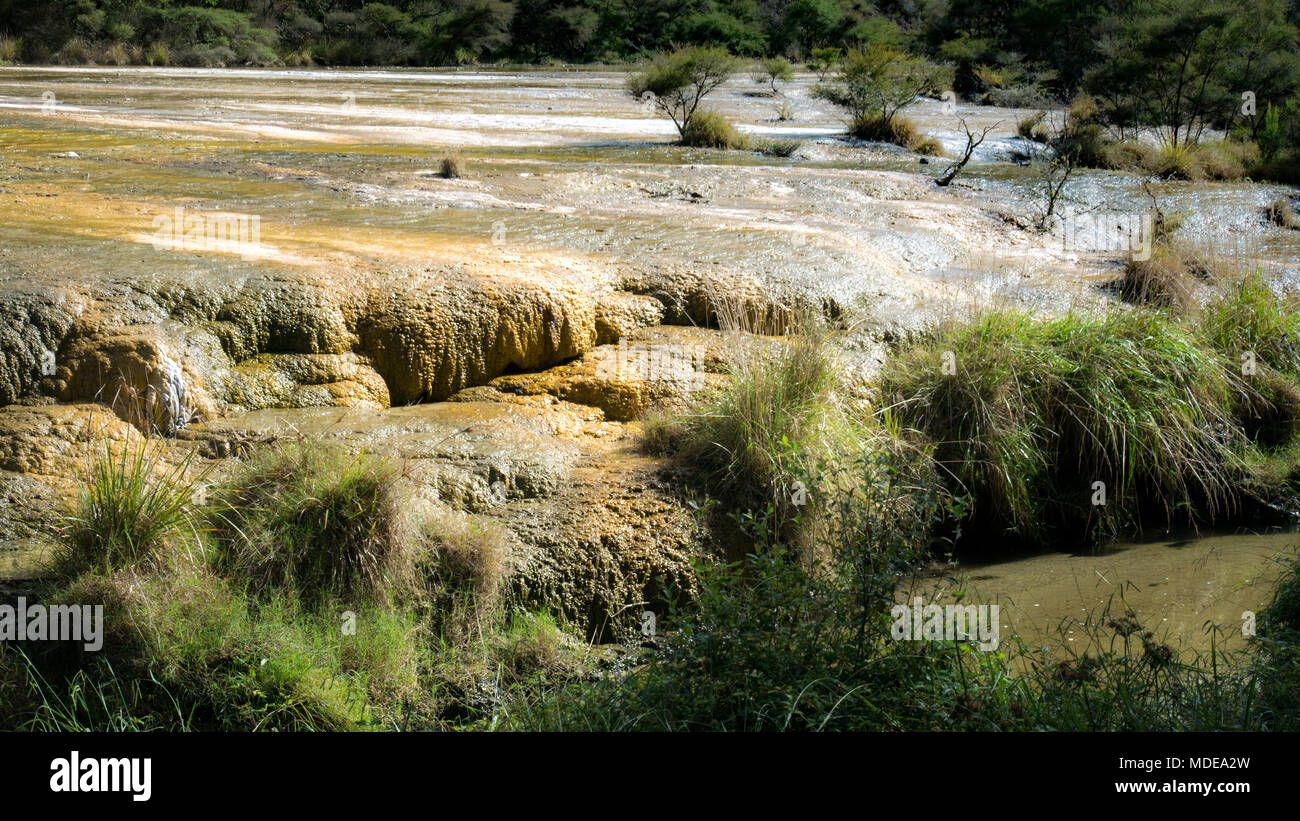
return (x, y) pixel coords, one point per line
(779, 147)
(185, 651)
(11, 48)
(157, 54)
(1259, 330)
(132, 507)
(75, 51)
(895, 130)
(310, 600)
(316, 521)
(750, 441)
(1038, 410)
(780, 456)
(709, 129)
(1248, 316)
(533, 644)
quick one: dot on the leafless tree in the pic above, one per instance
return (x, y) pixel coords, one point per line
(973, 141)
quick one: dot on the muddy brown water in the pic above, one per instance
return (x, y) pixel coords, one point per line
(1190, 592)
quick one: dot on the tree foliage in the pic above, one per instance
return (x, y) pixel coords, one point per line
(877, 82)
(678, 82)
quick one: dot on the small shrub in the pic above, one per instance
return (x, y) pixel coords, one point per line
(876, 83)
(1025, 95)
(823, 61)
(1180, 162)
(774, 70)
(1280, 213)
(1283, 168)
(11, 49)
(450, 168)
(677, 82)
(708, 129)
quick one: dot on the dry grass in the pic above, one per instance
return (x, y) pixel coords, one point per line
(460, 568)
(709, 129)
(450, 168)
(1280, 213)
(1174, 275)
(11, 48)
(315, 521)
(897, 131)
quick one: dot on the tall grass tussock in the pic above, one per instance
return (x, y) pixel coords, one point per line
(314, 520)
(1037, 410)
(133, 507)
(709, 129)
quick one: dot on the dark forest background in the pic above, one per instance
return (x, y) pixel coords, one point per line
(1047, 44)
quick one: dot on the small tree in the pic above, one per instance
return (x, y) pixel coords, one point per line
(680, 80)
(1053, 173)
(877, 82)
(823, 62)
(973, 141)
(772, 70)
